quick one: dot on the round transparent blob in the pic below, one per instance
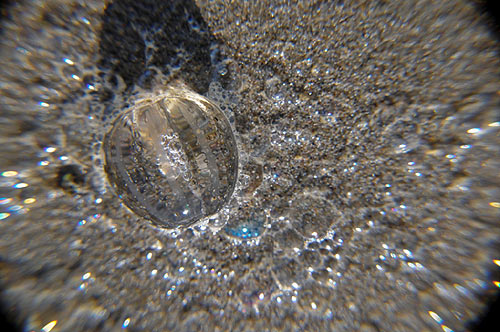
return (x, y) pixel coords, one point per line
(172, 157)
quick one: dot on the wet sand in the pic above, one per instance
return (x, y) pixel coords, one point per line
(368, 189)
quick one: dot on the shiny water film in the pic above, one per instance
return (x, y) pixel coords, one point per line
(248, 165)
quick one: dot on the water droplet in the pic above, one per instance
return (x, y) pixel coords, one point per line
(172, 157)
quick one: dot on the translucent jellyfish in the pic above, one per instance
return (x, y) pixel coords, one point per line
(172, 157)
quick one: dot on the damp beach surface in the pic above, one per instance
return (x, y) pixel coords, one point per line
(367, 195)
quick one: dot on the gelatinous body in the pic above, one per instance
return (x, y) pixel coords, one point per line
(172, 157)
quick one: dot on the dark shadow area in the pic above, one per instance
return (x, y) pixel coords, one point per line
(4, 5)
(490, 320)
(7, 324)
(141, 37)
(492, 11)
(4, 10)
(492, 7)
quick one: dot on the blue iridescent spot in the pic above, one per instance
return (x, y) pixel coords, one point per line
(247, 228)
